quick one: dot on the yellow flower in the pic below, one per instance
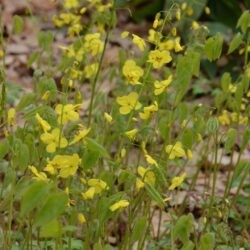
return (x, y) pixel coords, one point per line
(148, 110)
(98, 184)
(53, 139)
(162, 85)
(178, 15)
(177, 181)
(118, 205)
(128, 103)
(224, 118)
(66, 113)
(159, 58)
(80, 135)
(167, 45)
(1, 53)
(93, 43)
(90, 70)
(124, 34)
(123, 152)
(175, 151)
(207, 10)
(44, 124)
(81, 218)
(151, 160)
(147, 176)
(232, 88)
(132, 72)
(177, 46)
(11, 117)
(184, 6)
(195, 25)
(89, 194)
(139, 42)
(69, 4)
(46, 95)
(139, 184)
(174, 31)
(154, 36)
(190, 11)
(108, 117)
(189, 154)
(66, 164)
(131, 133)
(38, 175)
(157, 22)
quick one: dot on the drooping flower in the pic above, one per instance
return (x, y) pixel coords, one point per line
(160, 86)
(67, 165)
(81, 218)
(80, 135)
(118, 205)
(131, 133)
(93, 43)
(175, 151)
(148, 110)
(96, 186)
(146, 175)
(177, 181)
(66, 113)
(44, 124)
(41, 176)
(11, 117)
(158, 58)
(128, 103)
(54, 140)
(132, 72)
(69, 4)
(151, 160)
(139, 42)
(108, 117)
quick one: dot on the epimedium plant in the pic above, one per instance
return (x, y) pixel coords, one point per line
(84, 170)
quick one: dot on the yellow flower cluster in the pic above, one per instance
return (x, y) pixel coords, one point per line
(146, 176)
(96, 186)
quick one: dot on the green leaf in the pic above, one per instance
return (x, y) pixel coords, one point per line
(235, 43)
(32, 195)
(32, 58)
(184, 71)
(54, 206)
(183, 228)
(188, 246)
(96, 147)
(18, 24)
(212, 125)
(26, 101)
(188, 138)
(226, 80)
(139, 229)
(245, 139)
(22, 155)
(52, 229)
(4, 148)
(231, 137)
(45, 39)
(154, 194)
(244, 21)
(207, 241)
(90, 158)
(213, 47)
(48, 84)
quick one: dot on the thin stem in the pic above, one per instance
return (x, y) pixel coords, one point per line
(93, 89)
(214, 176)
